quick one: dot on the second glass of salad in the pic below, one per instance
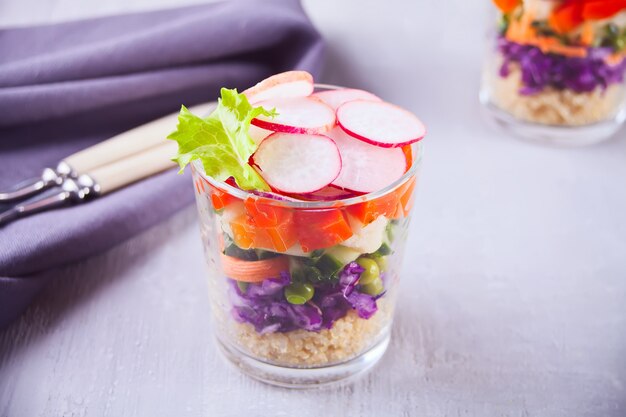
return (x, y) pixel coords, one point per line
(304, 196)
(556, 70)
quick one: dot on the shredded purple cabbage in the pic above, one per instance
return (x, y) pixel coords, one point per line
(541, 70)
(265, 307)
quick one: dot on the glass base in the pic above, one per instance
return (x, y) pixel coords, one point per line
(566, 136)
(303, 378)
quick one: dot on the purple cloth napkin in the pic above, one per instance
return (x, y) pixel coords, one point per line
(65, 87)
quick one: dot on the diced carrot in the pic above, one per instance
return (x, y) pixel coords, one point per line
(243, 233)
(283, 236)
(254, 271)
(368, 211)
(521, 30)
(602, 9)
(271, 221)
(406, 198)
(567, 17)
(221, 199)
(528, 30)
(507, 6)
(588, 33)
(571, 51)
(246, 235)
(264, 226)
(323, 228)
(513, 31)
(265, 212)
(552, 45)
(408, 154)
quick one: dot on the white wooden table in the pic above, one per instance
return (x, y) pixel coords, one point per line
(514, 294)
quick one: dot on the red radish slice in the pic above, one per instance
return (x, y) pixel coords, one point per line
(297, 115)
(380, 123)
(257, 134)
(299, 164)
(366, 168)
(329, 193)
(283, 85)
(335, 98)
(274, 196)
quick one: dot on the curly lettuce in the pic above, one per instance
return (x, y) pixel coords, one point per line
(221, 141)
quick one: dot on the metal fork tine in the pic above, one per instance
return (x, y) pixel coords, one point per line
(49, 178)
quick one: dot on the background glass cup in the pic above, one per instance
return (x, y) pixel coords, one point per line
(298, 327)
(514, 95)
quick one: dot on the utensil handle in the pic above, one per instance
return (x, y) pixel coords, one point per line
(128, 143)
(134, 168)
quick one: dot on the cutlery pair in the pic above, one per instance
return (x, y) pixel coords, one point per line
(103, 168)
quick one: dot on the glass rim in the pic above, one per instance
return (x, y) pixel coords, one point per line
(331, 203)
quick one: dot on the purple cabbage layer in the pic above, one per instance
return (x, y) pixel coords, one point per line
(541, 70)
(265, 307)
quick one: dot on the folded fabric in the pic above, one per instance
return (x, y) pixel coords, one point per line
(65, 87)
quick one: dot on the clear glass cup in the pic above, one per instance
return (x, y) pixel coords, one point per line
(323, 277)
(528, 87)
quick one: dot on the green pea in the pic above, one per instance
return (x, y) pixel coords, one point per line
(381, 261)
(299, 293)
(373, 288)
(371, 270)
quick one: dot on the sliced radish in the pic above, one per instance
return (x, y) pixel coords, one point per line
(257, 134)
(294, 163)
(283, 85)
(335, 98)
(366, 168)
(329, 193)
(297, 115)
(380, 123)
(274, 196)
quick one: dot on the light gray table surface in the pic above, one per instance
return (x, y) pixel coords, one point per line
(513, 298)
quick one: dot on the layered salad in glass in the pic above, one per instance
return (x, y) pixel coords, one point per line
(304, 195)
(559, 62)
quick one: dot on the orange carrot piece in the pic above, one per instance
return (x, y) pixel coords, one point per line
(528, 31)
(602, 9)
(506, 6)
(265, 212)
(406, 199)
(368, 211)
(408, 155)
(319, 229)
(588, 33)
(567, 17)
(243, 233)
(221, 199)
(571, 51)
(248, 235)
(552, 45)
(274, 224)
(254, 271)
(522, 31)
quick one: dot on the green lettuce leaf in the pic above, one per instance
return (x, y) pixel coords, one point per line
(221, 141)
